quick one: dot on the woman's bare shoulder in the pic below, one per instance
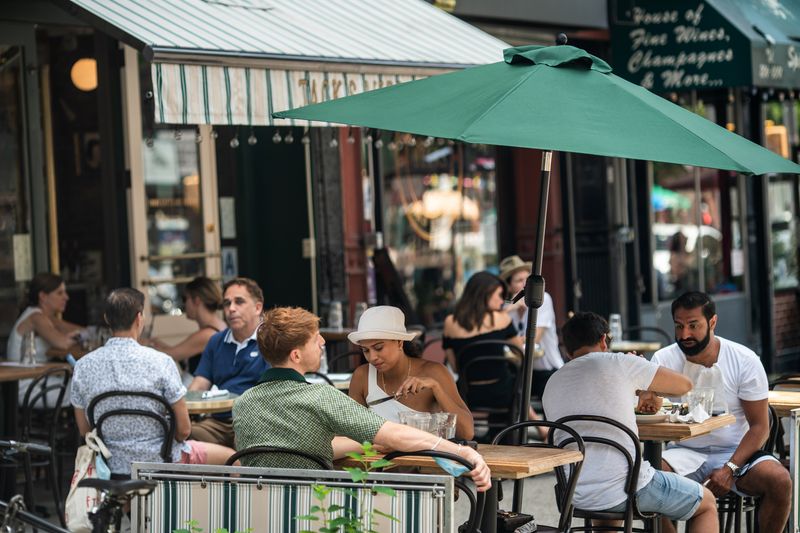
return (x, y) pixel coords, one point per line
(501, 319)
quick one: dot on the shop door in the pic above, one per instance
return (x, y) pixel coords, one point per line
(17, 156)
(173, 212)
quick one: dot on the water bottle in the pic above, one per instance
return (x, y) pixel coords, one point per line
(615, 326)
(27, 349)
(335, 319)
(323, 361)
(358, 311)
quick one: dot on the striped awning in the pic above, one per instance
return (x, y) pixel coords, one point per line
(236, 61)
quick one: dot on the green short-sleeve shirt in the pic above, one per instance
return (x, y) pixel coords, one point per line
(285, 411)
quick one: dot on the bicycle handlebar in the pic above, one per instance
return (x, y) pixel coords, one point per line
(26, 447)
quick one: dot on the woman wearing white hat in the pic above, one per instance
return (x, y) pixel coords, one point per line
(395, 371)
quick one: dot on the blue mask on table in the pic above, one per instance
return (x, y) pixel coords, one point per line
(451, 467)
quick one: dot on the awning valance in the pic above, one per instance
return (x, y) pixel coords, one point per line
(674, 45)
(201, 94)
(231, 61)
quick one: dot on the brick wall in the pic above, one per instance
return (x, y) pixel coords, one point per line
(787, 322)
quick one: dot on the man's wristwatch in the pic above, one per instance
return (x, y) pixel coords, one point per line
(734, 467)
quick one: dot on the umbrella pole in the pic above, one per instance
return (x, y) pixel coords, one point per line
(534, 288)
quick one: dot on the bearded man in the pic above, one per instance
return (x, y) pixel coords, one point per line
(729, 458)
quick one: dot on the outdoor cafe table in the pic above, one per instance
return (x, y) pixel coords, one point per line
(10, 375)
(653, 436)
(505, 462)
(784, 401)
(635, 346)
(209, 406)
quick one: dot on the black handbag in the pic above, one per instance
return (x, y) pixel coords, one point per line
(509, 521)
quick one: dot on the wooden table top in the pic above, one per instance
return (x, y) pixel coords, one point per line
(198, 406)
(635, 346)
(507, 462)
(669, 431)
(15, 372)
(784, 401)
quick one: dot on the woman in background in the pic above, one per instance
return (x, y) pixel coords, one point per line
(202, 300)
(46, 301)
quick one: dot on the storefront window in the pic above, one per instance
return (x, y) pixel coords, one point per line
(696, 228)
(778, 130)
(440, 218)
(174, 216)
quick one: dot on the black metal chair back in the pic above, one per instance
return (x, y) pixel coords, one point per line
(167, 422)
(323, 377)
(274, 450)
(566, 475)
(343, 362)
(36, 405)
(635, 330)
(477, 500)
(503, 402)
(634, 463)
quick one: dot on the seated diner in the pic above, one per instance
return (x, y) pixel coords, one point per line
(395, 370)
(125, 365)
(283, 410)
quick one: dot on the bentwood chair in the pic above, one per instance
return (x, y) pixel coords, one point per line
(566, 475)
(477, 500)
(731, 507)
(634, 463)
(152, 407)
(41, 413)
(278, 452)
(494, 406)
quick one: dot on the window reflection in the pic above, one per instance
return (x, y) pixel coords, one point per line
(440, 218)
(174, 216)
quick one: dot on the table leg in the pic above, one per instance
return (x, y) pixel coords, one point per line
(489, 520)
(10, 413)
(652, 453)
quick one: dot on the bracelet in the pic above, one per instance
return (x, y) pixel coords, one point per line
(437, 443)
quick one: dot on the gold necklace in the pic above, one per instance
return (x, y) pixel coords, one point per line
(383, 378)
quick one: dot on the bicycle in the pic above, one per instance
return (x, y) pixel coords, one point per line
(106, 517)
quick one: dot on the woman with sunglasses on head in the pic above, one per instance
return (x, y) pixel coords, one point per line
(395, 373)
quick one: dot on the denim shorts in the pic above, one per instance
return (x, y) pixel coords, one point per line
(668, 494)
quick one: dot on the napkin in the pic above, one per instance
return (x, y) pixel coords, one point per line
(214, 393)
(696, 415)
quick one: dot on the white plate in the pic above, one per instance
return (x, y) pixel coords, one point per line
(651, 419)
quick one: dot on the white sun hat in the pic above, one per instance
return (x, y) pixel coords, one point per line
(382, 322)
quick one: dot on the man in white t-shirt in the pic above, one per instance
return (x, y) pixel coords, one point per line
(596, 382)
(514, 271)
(729, 458)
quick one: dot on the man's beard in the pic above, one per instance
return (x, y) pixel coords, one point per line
(697, 347)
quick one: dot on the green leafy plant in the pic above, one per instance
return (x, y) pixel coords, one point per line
(192, 526)
(336, 518)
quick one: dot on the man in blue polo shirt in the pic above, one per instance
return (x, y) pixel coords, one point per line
(231, 359)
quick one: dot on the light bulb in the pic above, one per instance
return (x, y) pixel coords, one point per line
(412, 141)
(214, 134)
(334, 143)
(392, 146)
(427, 142)
(379, 143)
(289, 138)
(234, 142)
(277, 137)
(305, 139)
(252, 139)
(351, 139)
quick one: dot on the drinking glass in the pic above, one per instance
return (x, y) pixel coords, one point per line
(417, 420)
(445, 424)
(27, 348)
(701, 396)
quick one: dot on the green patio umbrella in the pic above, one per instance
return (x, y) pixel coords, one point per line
(550, 98)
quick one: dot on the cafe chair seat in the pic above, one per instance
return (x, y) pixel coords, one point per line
(634, 463)
(277, 452)
(566, 475)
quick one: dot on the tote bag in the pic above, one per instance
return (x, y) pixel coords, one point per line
(82, 500)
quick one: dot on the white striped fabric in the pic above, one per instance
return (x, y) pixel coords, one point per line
(409, 32)
(199, 94)
(274, 507)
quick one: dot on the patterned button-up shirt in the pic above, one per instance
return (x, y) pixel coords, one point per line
(125, 365)
(285, 411)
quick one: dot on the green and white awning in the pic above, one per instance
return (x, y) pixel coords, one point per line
(235, 61)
